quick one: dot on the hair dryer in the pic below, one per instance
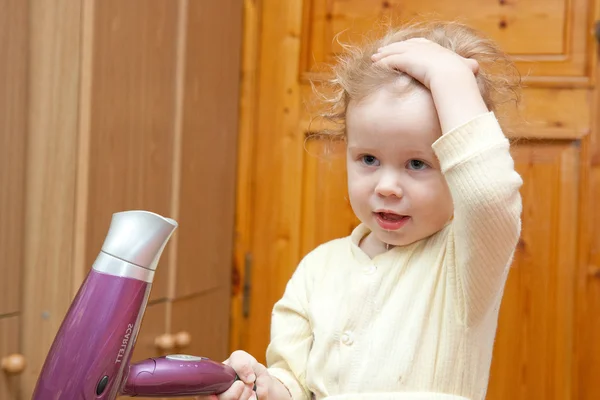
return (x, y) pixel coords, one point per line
(90, 355)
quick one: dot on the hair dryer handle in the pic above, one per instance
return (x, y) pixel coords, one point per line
(178, 375)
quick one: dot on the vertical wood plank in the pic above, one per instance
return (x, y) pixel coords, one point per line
(588, 346)
(131, 121)
(209, 146)
(13, 135)
(533, 346)
(53, 96)
(80, 267)
(208, 330)
(245, 163)
(277, 175)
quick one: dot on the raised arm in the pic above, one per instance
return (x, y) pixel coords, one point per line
(476, 162)
(477, 165)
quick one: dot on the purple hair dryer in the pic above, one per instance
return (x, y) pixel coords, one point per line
(89, 358)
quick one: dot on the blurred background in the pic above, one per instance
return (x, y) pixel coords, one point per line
(198, 110)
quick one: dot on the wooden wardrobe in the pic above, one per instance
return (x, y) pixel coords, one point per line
(106, 106)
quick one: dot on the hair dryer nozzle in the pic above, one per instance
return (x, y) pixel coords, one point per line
(138, 237)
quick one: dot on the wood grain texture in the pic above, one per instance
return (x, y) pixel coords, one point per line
(132, 117)
(208, 146)
(13, 136)
(245, 162)
(203, 318)
(533, 347)
(277, 164)
(10, 385)
(588, 345)
(53, 93)
(326, 209)
(549, 38)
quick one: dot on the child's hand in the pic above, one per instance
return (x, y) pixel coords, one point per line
(254, 381)
(450, 78)
(425, 61)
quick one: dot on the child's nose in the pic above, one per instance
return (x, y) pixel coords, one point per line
(389, 185)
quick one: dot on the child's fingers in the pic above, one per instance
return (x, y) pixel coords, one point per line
(403, 63)
(248, 392)
(395, 48)
(243, 364)
(472, 64)
(417, 44)
(235, 392)
(262, 386)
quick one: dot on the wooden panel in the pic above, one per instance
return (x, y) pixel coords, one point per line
(131, 117)
(326, 213)
(548, 37)
(13, 84)
(276, 167)
(53, 90)
(245, 164)
(206, 318)
(542, 22)
(549, 113)
(533, 349)
(588, 345)
(10, 385)
(208, 146)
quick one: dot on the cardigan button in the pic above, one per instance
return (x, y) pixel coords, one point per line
(370, 269)
(347, 338)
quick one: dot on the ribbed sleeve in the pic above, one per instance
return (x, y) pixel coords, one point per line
(479, 169)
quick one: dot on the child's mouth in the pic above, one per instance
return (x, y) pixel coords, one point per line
(390, 216)
(391, 221)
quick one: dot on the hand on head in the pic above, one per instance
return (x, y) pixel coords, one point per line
(424, 60)
(447, 75)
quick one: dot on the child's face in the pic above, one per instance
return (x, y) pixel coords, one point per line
(395, 184)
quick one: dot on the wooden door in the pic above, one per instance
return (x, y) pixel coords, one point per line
(292, 196)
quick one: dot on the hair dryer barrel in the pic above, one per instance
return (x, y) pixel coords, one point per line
(91, 351)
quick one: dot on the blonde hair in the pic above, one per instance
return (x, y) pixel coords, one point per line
(355, 76)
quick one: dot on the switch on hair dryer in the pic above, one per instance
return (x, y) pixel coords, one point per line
(178, 375)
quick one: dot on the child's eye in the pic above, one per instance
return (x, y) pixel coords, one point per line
(370, 161)
(417, 165)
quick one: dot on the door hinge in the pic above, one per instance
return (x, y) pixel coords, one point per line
(247, 289)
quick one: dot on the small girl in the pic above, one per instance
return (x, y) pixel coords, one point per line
(406, 307)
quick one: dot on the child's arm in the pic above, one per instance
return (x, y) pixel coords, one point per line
(475, 159)
(291, 335)
(477, 165)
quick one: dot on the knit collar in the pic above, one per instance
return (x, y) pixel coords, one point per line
(361, 231)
